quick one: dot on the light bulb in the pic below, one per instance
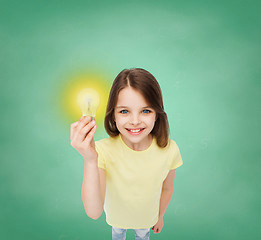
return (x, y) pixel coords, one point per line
(88, 100)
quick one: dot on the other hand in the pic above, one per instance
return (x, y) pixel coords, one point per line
(158, 226)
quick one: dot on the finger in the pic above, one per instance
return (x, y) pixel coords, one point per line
(85, 131)
(90, 135)
(83, 121)
(79, 133)
(72, 129)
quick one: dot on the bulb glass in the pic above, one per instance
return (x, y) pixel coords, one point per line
(88, 100)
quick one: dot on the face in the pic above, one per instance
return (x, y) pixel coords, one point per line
(134, 119)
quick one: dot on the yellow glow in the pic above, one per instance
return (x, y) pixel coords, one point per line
(88, 100)
(73, 87)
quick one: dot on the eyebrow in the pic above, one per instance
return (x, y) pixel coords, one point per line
(127, 107)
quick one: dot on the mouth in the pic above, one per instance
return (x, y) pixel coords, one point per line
(135, 131)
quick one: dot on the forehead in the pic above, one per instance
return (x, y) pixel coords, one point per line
(131, 97)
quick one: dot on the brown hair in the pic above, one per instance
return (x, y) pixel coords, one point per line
(147, 85)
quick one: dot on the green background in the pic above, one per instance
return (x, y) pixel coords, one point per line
(205, 55)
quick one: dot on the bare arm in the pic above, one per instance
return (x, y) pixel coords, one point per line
(93, 190)
(93, 186)
(167, 191)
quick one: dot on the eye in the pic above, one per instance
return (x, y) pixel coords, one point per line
(124, 111)
(146, 111)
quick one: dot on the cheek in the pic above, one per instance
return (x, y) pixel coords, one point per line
(118, 125)
(154, 118)
(150, 121)
(120, 120)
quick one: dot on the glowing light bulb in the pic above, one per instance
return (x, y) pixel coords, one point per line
(88, 100)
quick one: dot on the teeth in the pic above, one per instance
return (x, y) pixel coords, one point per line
(134, 131)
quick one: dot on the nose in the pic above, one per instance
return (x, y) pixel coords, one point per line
(135, 119)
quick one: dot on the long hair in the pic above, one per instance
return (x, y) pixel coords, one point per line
(144, 82)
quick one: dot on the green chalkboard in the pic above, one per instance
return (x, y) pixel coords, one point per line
(206, 58)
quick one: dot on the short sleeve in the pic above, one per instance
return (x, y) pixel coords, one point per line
(101, 160)
(176, 160)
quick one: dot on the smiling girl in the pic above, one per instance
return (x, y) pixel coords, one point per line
(131, 173)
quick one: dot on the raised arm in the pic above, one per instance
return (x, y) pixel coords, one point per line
(93, 185)
(93, 189)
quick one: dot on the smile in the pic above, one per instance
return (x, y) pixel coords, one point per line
(135, 131)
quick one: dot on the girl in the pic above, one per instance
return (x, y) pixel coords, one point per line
(135, 167)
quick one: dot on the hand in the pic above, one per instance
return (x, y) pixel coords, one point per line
(158, 226)
(82, 133)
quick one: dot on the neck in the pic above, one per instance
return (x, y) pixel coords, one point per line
(139, 146)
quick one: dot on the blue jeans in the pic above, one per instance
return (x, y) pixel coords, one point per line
(140, 234)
